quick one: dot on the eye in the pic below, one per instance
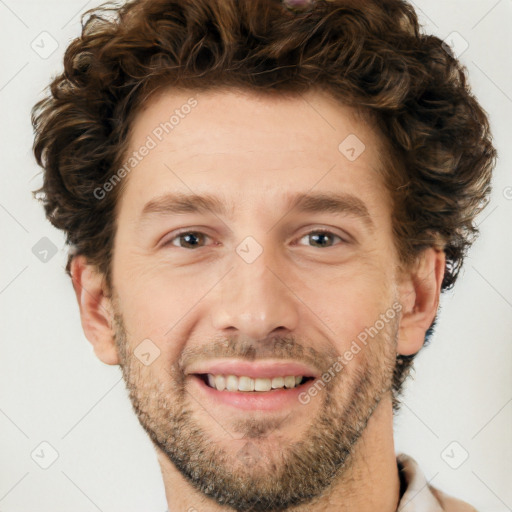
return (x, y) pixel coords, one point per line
(196, 239)
(192, 239)
(322, 238)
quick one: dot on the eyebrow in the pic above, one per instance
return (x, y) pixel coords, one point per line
(323, 202)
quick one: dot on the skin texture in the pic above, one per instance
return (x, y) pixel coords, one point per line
(303, 299)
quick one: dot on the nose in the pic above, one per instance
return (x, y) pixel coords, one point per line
(256, 299)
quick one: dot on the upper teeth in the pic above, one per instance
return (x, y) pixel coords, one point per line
(234, 383)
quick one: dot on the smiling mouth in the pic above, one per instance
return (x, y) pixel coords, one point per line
(244, 384)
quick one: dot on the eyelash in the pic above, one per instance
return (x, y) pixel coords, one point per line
(315, 231)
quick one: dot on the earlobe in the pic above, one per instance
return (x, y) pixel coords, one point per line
(95, 309)
(419, 295)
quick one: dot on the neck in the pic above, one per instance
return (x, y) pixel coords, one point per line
(371, 483)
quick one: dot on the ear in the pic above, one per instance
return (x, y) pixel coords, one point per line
(95, 309)
(419, 296)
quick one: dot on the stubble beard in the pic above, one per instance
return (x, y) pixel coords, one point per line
(258, 477)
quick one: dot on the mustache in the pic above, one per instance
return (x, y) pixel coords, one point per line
(276, 347)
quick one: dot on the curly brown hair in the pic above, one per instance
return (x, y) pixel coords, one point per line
(368, 54)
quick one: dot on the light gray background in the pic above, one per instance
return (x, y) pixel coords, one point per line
(53, 389)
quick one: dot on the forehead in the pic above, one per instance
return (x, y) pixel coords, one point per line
(245, 145)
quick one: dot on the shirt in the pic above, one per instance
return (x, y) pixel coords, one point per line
(419, 496)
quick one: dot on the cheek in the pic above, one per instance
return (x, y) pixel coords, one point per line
(162, 303)
(350, 301)
(159, 305)
(152, 297)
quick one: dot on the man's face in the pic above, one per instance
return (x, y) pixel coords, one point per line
(254, 288)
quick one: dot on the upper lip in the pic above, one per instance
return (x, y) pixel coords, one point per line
(261, 369)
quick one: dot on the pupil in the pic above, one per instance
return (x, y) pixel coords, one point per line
(188, 236)
(319, 235)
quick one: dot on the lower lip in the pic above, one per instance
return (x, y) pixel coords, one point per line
(274, 400)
